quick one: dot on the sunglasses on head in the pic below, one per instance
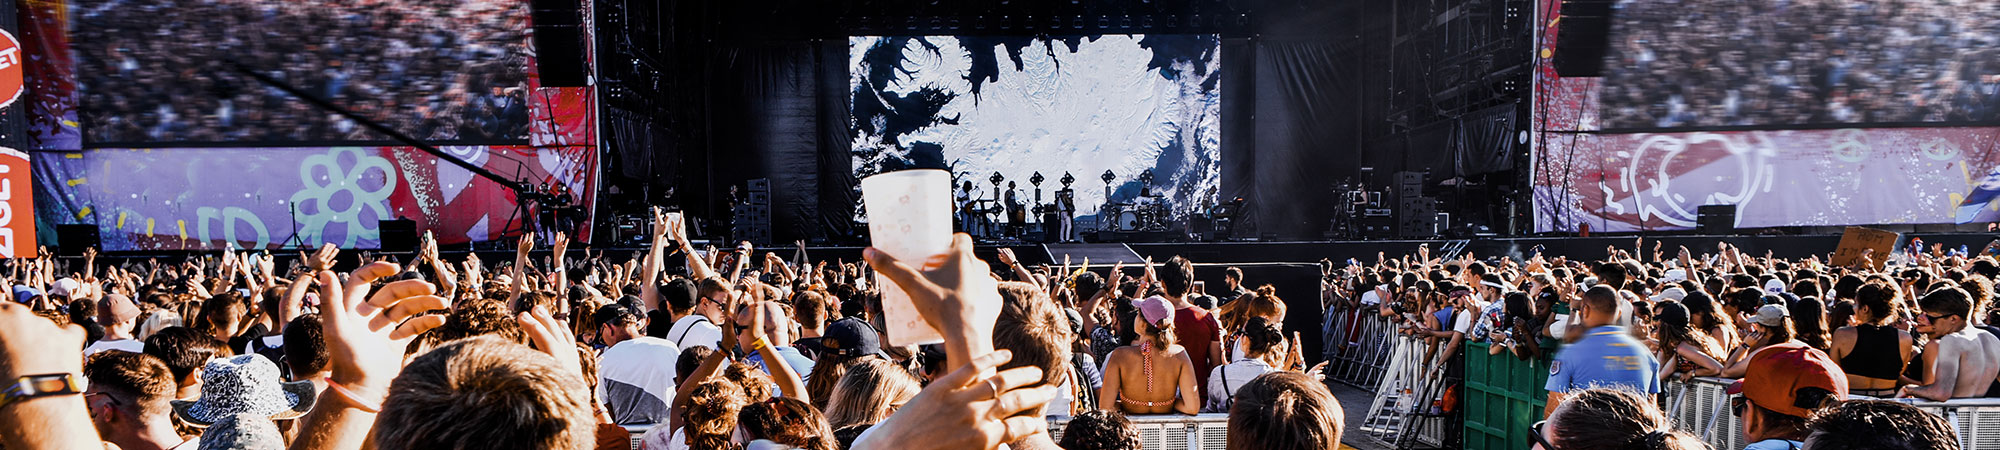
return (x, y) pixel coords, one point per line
(1535, 436)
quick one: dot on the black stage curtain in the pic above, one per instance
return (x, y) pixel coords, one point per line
(642, 147)
(1484, 142)
(1304, 139)
(764, 121)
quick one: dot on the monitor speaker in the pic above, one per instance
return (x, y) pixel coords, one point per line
(399, 235)
(559, 48)
(1715, 219)
(1583, 37)
(71, 239)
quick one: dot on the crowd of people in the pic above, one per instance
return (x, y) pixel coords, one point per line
(705, 349)
(747, 349)
(1727, 63)
(162, 70)
(1816, 350)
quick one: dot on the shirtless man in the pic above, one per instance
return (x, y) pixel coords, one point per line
(1961, 361)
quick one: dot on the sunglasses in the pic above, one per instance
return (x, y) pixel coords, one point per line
(1536, 439)
(1737, 405)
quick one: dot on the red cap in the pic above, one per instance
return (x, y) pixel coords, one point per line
(1778, 372)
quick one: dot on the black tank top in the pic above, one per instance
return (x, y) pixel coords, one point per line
(1875, 354)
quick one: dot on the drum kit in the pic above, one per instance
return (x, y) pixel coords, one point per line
(1143, 214)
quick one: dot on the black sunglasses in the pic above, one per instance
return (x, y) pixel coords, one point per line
(1935, 317)
(1737, 405)
(1535, 433)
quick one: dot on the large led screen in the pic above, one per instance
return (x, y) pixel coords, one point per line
(1786, 64)
(1081, 105)
(162, 71)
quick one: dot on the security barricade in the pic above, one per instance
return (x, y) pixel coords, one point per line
(1701, 407)
(1172, 431)
(1358, 342)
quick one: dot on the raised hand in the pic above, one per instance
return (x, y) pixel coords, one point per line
(954, 291)
(366, 334)
(322, 260)
(560, 243)
(553, 337)
(1007, 256)
(967, 410)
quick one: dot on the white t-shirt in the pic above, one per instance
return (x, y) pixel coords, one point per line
(636, 379)
(695, 330)
(1462, 320)
(129, 345)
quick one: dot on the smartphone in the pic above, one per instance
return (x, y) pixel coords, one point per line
(1201, 287)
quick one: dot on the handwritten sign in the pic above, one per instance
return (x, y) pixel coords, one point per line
(1856, 240)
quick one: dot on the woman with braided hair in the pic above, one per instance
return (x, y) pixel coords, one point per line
(1262, 347)
(1610, 419)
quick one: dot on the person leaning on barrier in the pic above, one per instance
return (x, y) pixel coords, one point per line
(1785, 384)
(1960, 361)
(1872, 351)
(1609, 419)
(1606, 356)
(1878, 425)
(1772, 325)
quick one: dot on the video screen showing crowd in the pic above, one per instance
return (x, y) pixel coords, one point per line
(166, 71)
(1677, 64)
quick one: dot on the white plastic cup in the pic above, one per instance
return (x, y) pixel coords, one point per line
(909, 217)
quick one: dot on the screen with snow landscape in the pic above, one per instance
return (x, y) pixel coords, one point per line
(1018, 105)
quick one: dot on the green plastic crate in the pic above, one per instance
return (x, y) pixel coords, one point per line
(1503, 396)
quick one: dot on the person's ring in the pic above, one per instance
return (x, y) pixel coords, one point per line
(995, 387)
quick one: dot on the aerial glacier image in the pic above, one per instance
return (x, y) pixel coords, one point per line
(1081, 105)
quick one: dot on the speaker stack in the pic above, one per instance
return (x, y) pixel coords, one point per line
(753, 216)
(1715, 219)
(71, 239)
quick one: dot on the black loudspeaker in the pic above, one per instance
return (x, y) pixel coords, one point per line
(1715, 219)
(558, 26)
(399, 235)
(1583, 37)
(1418, 218)
(71, 239)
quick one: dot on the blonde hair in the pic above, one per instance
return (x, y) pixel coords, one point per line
(475, 392)
(869, 392)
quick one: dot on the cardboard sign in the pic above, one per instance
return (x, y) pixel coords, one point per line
(1856, 239)
(17, 206)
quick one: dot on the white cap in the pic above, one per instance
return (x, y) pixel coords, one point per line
(64, 287)
(1774, 286)
(1672, 293)
(1674, 276)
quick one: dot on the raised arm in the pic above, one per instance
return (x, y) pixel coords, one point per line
(781, 371)
(365, 336)
(649, 285)
(559, 259)
(524, 245)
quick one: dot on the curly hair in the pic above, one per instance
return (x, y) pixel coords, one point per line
(710, 414)
(755, 383)
(788, 421)
(1100, 430)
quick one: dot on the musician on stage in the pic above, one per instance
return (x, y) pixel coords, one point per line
(1066, 214)
(968, 209)
(1017, 212)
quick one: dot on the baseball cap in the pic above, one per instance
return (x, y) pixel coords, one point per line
(1771, 315)
(1154, 309)
(64, 287)
(850, 337)
(24, 294)
(1774, 286)
(1674, 293)
(1789, 378)
(1674, 276)
(114, 309)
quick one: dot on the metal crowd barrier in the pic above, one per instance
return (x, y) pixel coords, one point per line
(1701, 407)
(1208, 431)
(1156, 432)
(1358, 343)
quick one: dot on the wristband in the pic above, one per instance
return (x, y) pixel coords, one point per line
(364, 405)
(759, 345)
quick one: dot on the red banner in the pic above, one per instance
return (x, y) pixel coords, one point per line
(17, 205)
